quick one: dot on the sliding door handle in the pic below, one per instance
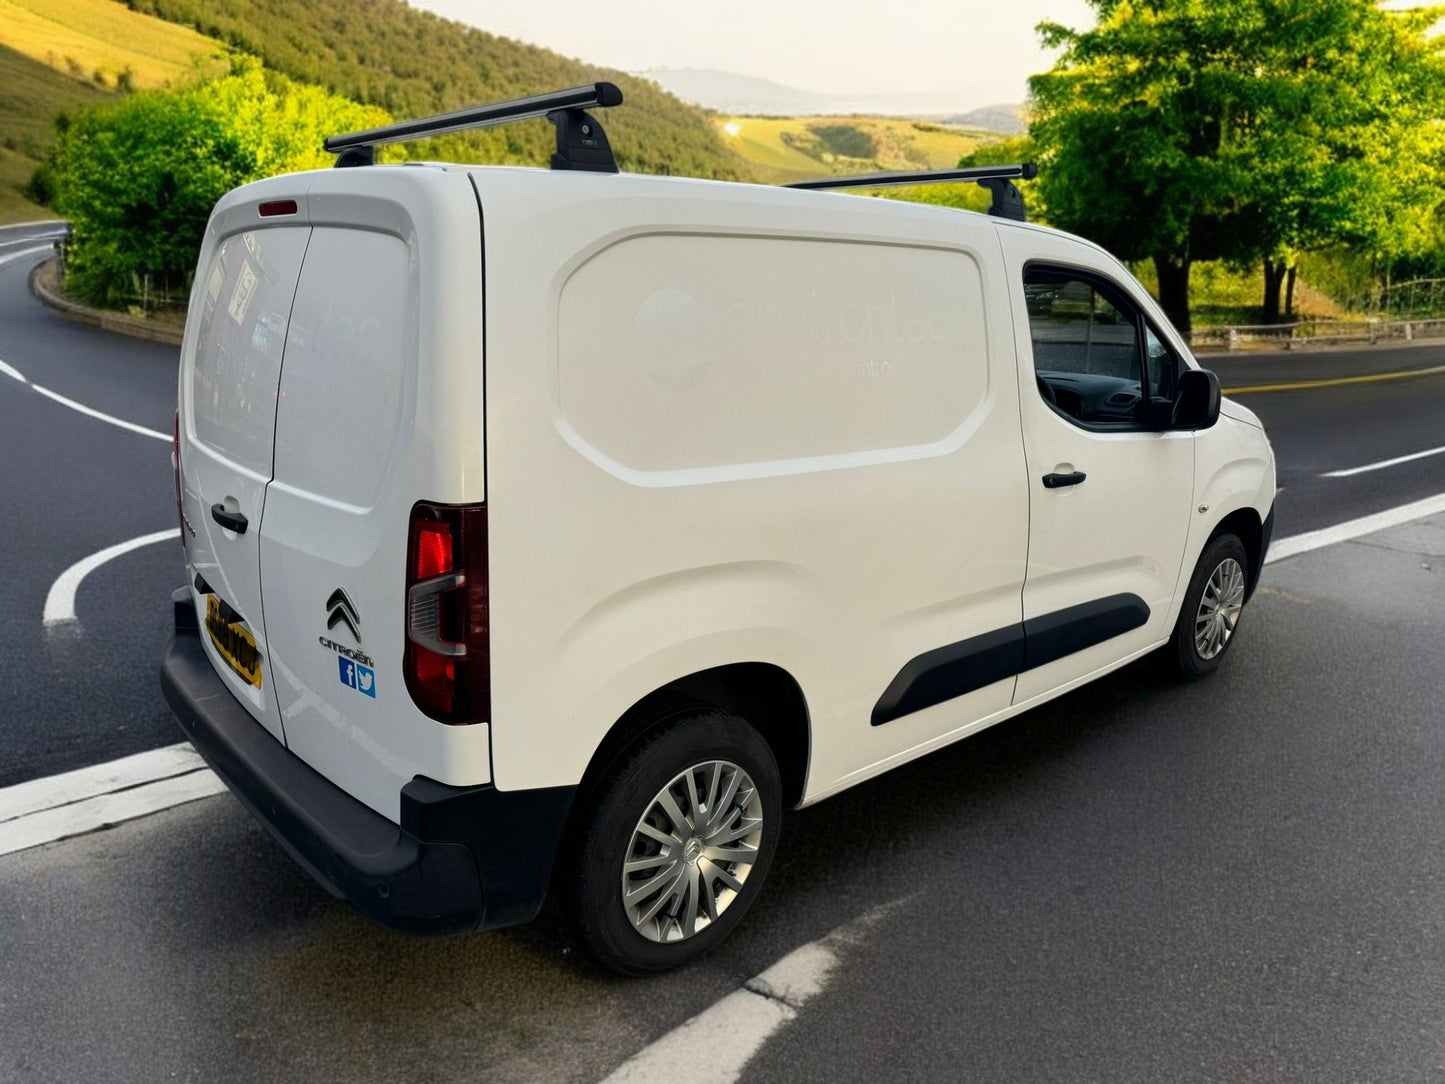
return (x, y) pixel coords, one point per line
(1058, 481)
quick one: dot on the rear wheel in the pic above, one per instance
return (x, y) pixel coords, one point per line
(677, 844)
(1212, 608)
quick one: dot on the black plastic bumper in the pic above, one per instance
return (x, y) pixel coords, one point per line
(462, 859)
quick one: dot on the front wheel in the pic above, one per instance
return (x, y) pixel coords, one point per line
(1212, 608)
(678, 843)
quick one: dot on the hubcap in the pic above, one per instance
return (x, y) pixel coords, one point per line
(1219, 609)
(691, 851)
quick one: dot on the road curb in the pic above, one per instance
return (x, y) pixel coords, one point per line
(43, 285)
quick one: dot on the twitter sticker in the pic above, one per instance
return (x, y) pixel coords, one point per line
(366, 680)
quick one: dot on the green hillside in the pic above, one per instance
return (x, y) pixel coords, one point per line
(103, 42)
(413, 63)
(31, 93)
(795, 148)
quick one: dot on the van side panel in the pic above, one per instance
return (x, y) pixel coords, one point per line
(384, 344)
(736, 424)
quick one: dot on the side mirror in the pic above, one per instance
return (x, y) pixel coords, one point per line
(1197, 405)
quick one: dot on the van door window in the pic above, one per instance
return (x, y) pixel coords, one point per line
(1087, 341)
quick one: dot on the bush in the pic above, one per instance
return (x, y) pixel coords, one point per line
(138, 178)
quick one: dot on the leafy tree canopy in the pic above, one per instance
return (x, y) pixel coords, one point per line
(138, 178)
(1184, 130)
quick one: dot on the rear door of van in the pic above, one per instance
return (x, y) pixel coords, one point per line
(230, 372)
(380, 406)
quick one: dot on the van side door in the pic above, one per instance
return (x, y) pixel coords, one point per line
(1110, 485)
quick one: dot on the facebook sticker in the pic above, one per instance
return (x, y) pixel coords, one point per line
(348, 672)
(366, 680)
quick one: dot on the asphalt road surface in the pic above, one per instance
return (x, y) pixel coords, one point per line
(72, 485)
(1239, 879)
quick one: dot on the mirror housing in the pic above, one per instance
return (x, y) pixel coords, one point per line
(1197, 405)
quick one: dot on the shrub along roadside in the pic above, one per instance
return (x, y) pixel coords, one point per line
(138, 178)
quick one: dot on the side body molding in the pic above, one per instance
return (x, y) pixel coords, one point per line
(956, 669)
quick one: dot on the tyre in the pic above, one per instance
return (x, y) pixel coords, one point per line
(677, 844)
(1212, 607)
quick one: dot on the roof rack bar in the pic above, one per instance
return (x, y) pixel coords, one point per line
(581, 143)
(1027, 171)
(1008, 201)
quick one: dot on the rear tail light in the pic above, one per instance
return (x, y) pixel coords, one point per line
(448, 652)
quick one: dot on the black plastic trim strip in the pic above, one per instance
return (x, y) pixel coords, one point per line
(947, 672)
(1051, 637)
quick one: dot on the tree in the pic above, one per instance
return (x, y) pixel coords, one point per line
(138, 178)
(1243, 130)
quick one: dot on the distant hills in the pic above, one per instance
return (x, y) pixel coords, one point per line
(413, 63)
(734, 94)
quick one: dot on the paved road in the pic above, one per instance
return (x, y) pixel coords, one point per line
(72, 485)
(1234, 880)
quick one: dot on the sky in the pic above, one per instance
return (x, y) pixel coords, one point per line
(979, 52)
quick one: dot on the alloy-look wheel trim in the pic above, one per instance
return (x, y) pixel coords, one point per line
(691, 851)
(1219, 609)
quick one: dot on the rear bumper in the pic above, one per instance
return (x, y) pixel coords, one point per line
(462, 859)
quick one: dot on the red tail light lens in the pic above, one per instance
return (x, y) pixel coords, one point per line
(448, 652)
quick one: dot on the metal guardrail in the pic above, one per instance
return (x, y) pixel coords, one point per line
(1304, 333)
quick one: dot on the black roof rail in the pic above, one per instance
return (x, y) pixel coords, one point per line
(1008, 202)
(581, 142)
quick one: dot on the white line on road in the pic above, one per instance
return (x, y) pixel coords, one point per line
(60, 599)
(71, 804)
(1382, 464)
(733, 1030)
(26, 252)
(1355, 528)
(91, 412)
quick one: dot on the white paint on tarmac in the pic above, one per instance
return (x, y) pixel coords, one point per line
(60, 599)
(108, 418)
(716, 1045)
(74, 803)
(1355, 528)
(34, 250)
(90, 412)
(1382, 464)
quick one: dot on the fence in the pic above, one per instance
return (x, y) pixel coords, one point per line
(1315, 332)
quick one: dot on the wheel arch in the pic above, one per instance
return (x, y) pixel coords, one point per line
(764, 694)
(1244, 524)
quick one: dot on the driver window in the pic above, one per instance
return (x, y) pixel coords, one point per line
(1086, 348)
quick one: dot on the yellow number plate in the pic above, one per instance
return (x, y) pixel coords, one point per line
(233, 643)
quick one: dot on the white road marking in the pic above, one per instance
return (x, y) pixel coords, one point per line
(93, 413)
(16, 374)
(733, 1030)
(1355, 528)
(71, 804)
(1382, 464)
(26, 252)
(60, 599)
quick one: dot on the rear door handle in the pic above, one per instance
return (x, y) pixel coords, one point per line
(1058, 481)
(232, 521)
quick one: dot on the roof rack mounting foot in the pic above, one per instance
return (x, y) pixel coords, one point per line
(357, 156)
(581, 142)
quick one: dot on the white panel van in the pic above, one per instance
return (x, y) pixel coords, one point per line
(558, 529)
